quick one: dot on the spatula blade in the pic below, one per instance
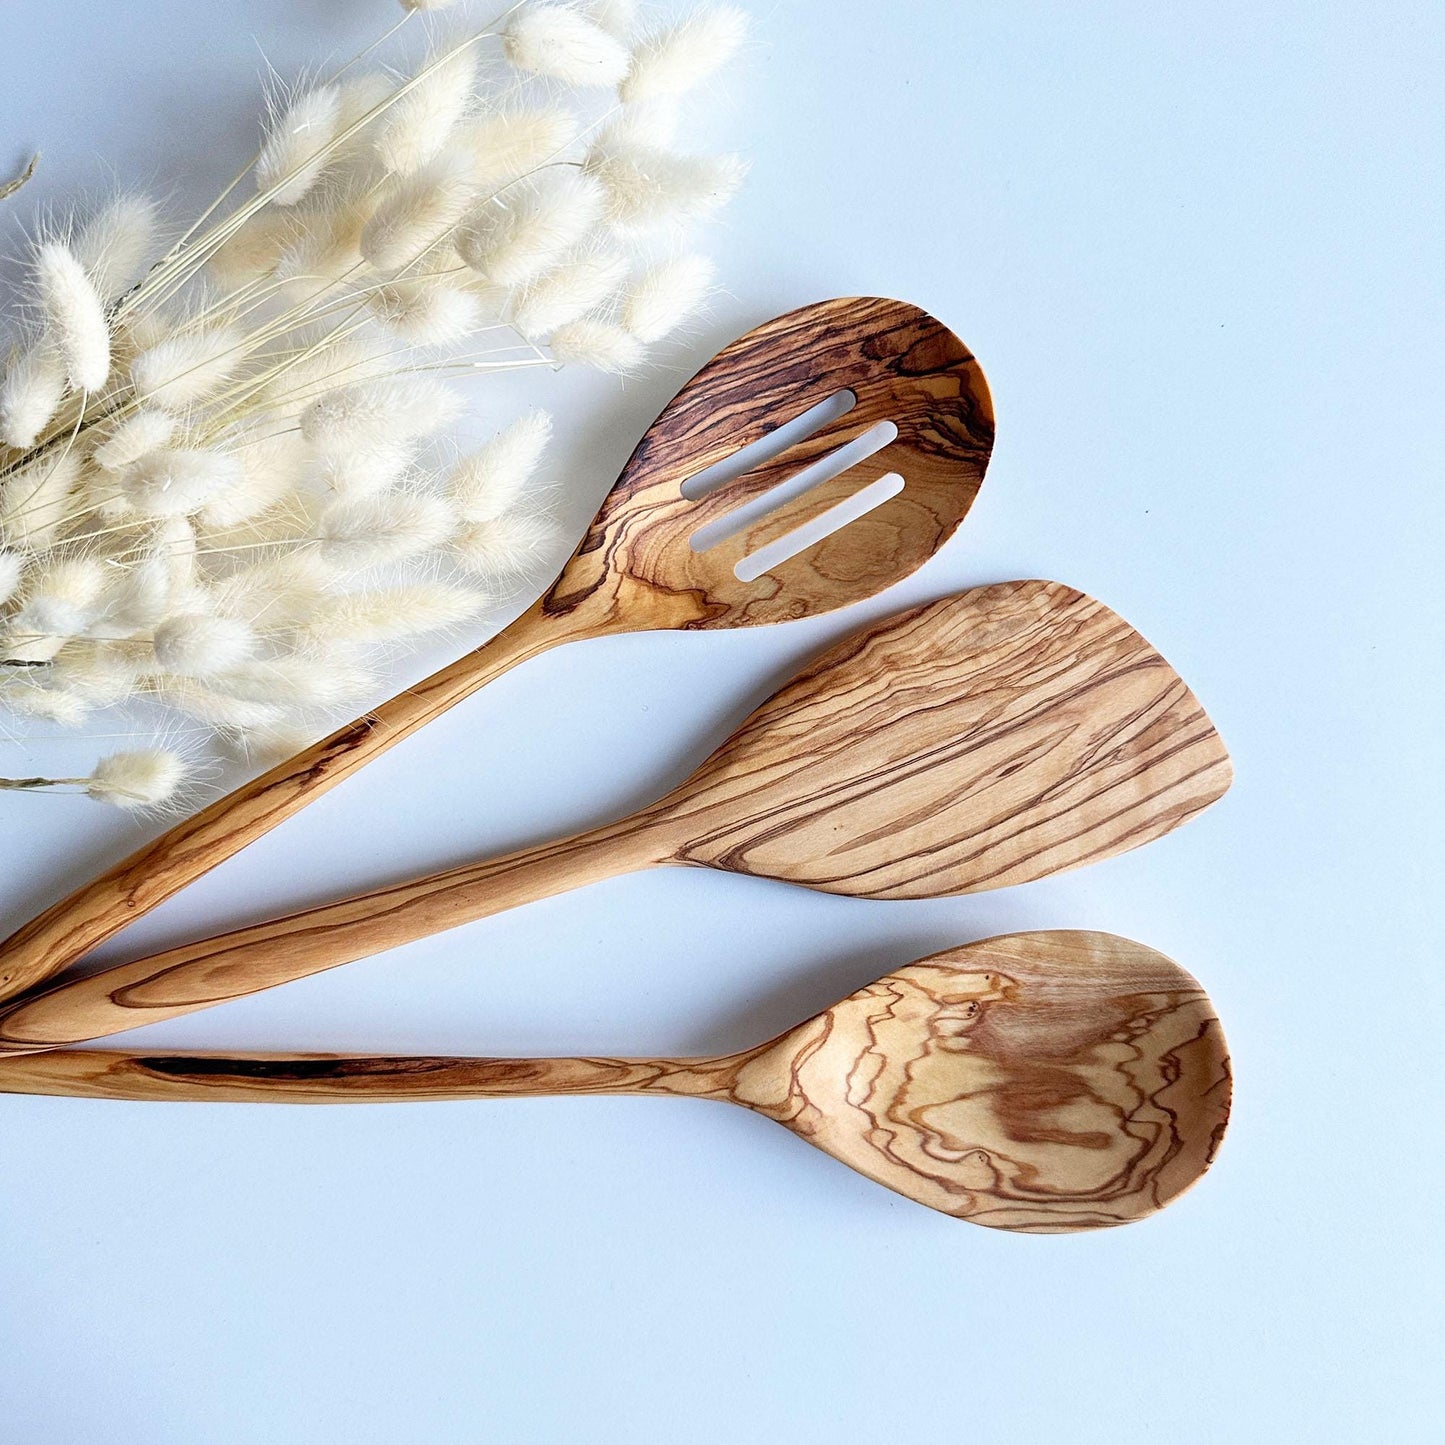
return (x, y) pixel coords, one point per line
(995, 737)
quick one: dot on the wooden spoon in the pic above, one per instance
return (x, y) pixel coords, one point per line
(994, 737)
(1041, 1082)
(637, 568)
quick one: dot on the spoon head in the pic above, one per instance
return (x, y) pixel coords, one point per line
(1038, 1082)
(656, 558)
(997, 736)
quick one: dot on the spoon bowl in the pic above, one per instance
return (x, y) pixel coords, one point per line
(644, 562)
(1041, 1082)
(1038, 1082)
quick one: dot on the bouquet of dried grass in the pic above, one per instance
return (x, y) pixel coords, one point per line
(219, 474)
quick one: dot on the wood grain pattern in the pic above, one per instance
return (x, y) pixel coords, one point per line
(635, 570)
(900, 364)
(993, 737)
(1038, 1082)
(999, 736)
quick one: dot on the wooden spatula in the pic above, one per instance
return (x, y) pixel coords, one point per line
(656, 559)
(1040, 1082)
(994, 737)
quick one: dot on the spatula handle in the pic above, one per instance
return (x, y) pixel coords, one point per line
(214, 970)
(71, 928)
(336, 1079)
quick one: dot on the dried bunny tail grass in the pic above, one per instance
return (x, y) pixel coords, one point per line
(511, 239)
(271, 467)
(367, 531)
(74, 315)
(31, 393)
(187, 367)
(649, 124)
(510, 143)
(100, 672)
(116, 243)
(418, 123)
(275, 743)
(218, 710)
(160, 580)
(616, 17)
(12, 570)
(673, 60)
(488, 482)
(505, 549)
(665, 296)
(254, 250)
(143, 778)
(415, 211)
(569, 291)
(29, 698)
(244, 513)
(279, 592)
(301, 680)
(198, 644)
(297, 146)
(325, 249)
(649, 188)
(428, 312)
(310, 371)
(61, 597)
(600, 344)
(140, 330)
(360, 96)
(129, 438)
(363, 474)
(386, 411)
(561, 42)
(395, 612)
(35, 500)
(175, 483)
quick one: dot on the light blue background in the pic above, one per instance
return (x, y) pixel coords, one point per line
(1198, 250)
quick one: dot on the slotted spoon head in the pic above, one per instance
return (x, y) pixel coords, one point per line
(1038, 1082)
(639, 565)
(997, 736)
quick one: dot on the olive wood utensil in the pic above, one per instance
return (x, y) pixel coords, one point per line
(637, 568)
(1041, 1082)
(997, 736)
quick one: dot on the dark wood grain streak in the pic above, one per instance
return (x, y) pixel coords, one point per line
(1039, 1082)
(986, 739)
(635, 569)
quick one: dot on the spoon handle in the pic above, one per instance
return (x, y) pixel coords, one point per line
(351, 1079)
(70, 928)
(231, 965)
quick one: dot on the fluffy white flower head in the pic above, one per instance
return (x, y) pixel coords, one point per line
(490, 481)
(139, 779)
(295, 152)
(32, 391)
(560, 41)
(676, 59)
(74, 315)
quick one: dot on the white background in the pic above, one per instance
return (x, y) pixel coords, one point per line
(1197, 249)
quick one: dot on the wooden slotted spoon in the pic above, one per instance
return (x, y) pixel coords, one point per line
(1040, 1082)
(997, 736)
(636, 569)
